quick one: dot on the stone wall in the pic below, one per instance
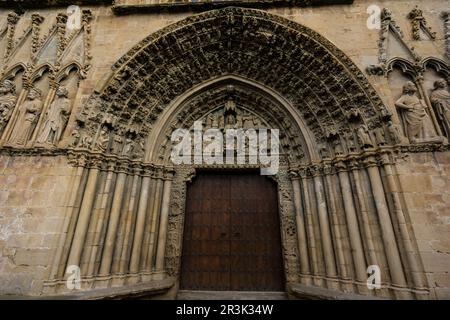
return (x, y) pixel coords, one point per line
(424, 179)
(32, 193)
(33, 189)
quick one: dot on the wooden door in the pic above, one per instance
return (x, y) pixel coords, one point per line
(232, 234)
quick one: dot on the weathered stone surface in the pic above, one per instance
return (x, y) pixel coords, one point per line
(81, 167)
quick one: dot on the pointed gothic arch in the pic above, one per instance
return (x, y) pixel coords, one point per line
(326, 198)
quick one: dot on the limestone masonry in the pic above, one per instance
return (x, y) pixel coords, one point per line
(90, 92)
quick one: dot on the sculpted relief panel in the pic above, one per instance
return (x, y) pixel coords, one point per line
(419, 119)
(41, 69)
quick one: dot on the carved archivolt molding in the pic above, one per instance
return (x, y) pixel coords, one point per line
(317, 78)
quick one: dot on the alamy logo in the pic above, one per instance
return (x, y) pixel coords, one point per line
(374, 19)
(251, 146)
(374, 279)
(74, 279)
(73, 18)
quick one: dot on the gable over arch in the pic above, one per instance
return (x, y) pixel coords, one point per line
(308, 71)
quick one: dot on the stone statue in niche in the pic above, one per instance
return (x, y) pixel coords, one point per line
(394, 132)
(117, 142)
(128, 147)
(350, 142)
(413, 112)
(247, 121)
(56, 118)
(337, 147)
(7, 102)
(27, 118)
(380, 136)
(103, 139)
(440, 99)
(364, 137)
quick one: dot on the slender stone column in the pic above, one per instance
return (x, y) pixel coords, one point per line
(163, 223)
(343, 271)
(48, 100)
(153, 197)
(430, 111)
(324, 224)
(100, 213)
(131, 216)
(83, 218)
(154, 218)
(417, 275)
(352, 224)
(110, 240)
(310, 229)
(360, 193)
(140, 224)
(300, 219)
(387, 230)
(74, 185)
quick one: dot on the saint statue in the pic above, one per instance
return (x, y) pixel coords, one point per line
(128, 147)
(413, 111)
(7, 102)
(56, 118)
(103, 139)
(27, 118)
(440, 99)
(364, 137)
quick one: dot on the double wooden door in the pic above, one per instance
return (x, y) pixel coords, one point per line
(232, 238)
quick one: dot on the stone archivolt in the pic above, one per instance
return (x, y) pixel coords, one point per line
(340, 207)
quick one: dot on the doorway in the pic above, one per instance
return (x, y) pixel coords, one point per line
(232, 236)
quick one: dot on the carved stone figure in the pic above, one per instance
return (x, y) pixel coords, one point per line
(56, 118)
(380, 136)
(337, 146)
(128, 147)
(394, 132)
(103, 139)
(350, 142)
(27, 118)
(364, 137)
(440, 99)
(7, 102)
(413, 111)
(247, 121)
(117, 142)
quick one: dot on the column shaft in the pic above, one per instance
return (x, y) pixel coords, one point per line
(300, 219)
(387, 230)
(324, 228)
(83, 218)
(111, 234)
(140, 224)
(352, 224)
(162, 234)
